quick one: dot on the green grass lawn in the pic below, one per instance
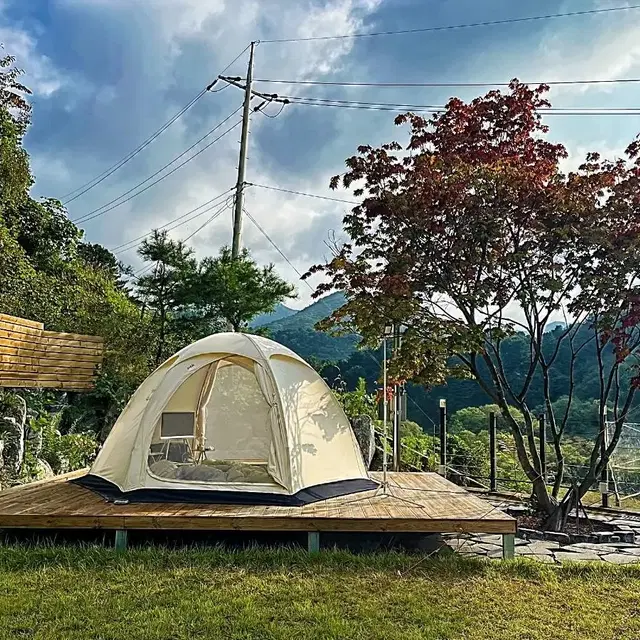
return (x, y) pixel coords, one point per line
(158, 594)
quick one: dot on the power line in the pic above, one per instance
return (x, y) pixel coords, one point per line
(300, 193)
(386, 106)
(89, 215)
(120, 248)
(487, 23)
(139, 272)
(275, 246)
(97, 212)
(211, 219)
(113, 168)
(275, 115)
(391, 85)
(191, 235)
(441, 107)
(236, 59)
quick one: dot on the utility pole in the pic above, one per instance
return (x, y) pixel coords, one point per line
(242, 163)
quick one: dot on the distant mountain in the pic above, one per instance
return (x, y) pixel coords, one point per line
(279, 313)
(308, 316)
(552, 326)
(297, 331)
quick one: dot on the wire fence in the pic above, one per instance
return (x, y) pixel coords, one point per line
(469, 462)
(624, 468)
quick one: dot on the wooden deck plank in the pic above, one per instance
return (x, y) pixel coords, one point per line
(415, 502)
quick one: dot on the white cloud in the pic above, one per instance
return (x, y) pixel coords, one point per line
(578, 154)
(41, 75)
(187, 41)
(162, 52)
(598, 48)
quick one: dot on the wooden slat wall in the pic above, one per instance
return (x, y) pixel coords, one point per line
(32, 357)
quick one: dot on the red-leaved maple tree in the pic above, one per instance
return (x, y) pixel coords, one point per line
(472, 233)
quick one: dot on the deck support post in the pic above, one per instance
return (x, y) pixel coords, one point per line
(313, 541)
(508, 546)
(121, 540)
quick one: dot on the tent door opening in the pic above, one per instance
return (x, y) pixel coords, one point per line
(227, 437)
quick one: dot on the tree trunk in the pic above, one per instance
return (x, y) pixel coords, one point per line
(557, 518)
(160, 349)
(12, 435)
(539, 488)
(560, 468)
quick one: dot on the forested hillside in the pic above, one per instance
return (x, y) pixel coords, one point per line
(281, 311)
(342, 364)
(423, 406)
(298, 333)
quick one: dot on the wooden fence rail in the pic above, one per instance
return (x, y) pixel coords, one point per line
(32, 357)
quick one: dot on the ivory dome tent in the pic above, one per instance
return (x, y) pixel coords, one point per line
(231, 418)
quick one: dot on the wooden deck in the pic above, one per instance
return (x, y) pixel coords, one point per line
(415, 502)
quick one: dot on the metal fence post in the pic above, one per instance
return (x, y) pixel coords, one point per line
(443, 438)
(396, 428)
(604, 474)
(396, 405)
(493, 460)
(543, 446)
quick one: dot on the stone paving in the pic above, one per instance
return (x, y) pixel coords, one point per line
(490, 546)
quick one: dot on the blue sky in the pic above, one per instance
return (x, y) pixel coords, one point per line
(108, 73)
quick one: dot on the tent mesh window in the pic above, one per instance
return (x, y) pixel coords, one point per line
(230, 438)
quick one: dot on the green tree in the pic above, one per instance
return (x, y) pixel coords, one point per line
(48, 274)
(582, 415)
(15, 111)
(237, 290)
(44, 231)
(358, 402)
(164, 291)
(476, 419)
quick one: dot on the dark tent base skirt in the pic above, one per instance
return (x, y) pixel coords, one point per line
(111, 492)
